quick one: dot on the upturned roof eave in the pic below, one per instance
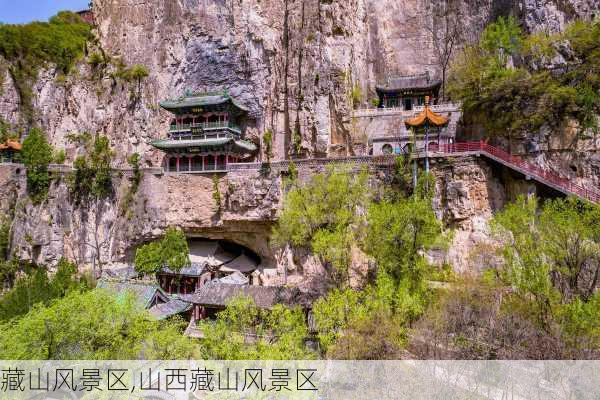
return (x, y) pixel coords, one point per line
(200, 101)
(167, 144)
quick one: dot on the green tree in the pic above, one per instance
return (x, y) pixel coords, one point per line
(551, 257)
(243, 331)
(136, 178)
(138, 73)
(172, 251)
(37, 287)
(504, 35)
(368, 324)
(90, 185)
(268, 144)
(5, 223)
(398, 235)
(37, 155)
(93, 325)
(326, 215)
(216, 194)
(91, 179)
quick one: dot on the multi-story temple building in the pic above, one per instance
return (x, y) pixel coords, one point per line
(406, 92)
(205, 134)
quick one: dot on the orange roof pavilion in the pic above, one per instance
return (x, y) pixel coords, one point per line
(427, 116)
(11, 144)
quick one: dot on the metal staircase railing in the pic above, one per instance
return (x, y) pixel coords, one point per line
(517, 163)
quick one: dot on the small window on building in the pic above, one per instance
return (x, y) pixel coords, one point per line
(421, 100)
(387, 149)
(408, 105)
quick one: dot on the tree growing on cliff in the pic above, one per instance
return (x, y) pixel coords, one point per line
(326, 215)
(552, 258)
(172, 251)
(216, 194)
(90, 185)
(37, 155)
(268, 144)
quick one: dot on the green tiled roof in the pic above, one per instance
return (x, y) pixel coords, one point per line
(143, 292)
(239, 145)
(200, 100)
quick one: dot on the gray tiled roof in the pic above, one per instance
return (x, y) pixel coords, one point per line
(236, 278)
(217, 294)
(195, 269)
(420, 81)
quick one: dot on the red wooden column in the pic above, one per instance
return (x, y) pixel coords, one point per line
(177, 163)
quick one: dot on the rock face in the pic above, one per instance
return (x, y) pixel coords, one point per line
(297, 65)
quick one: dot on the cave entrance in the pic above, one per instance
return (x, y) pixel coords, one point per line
(223, 255)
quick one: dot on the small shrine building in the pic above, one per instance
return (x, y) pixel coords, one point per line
(408, 91)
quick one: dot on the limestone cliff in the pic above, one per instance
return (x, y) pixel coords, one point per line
(293, 63)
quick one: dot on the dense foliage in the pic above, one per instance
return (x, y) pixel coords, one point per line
(35, 286)
(398, 233)
(541, 302)
(37, 155)
(60, 42)
(328, 215)
(93, 325)
(6, 130)
(243, 331)
(552, 259)
(335, 214)
(512, 83)
(172, 251)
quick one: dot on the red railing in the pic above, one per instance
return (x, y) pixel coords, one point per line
(519, 164)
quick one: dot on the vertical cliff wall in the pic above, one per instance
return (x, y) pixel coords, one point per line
(294, 63)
